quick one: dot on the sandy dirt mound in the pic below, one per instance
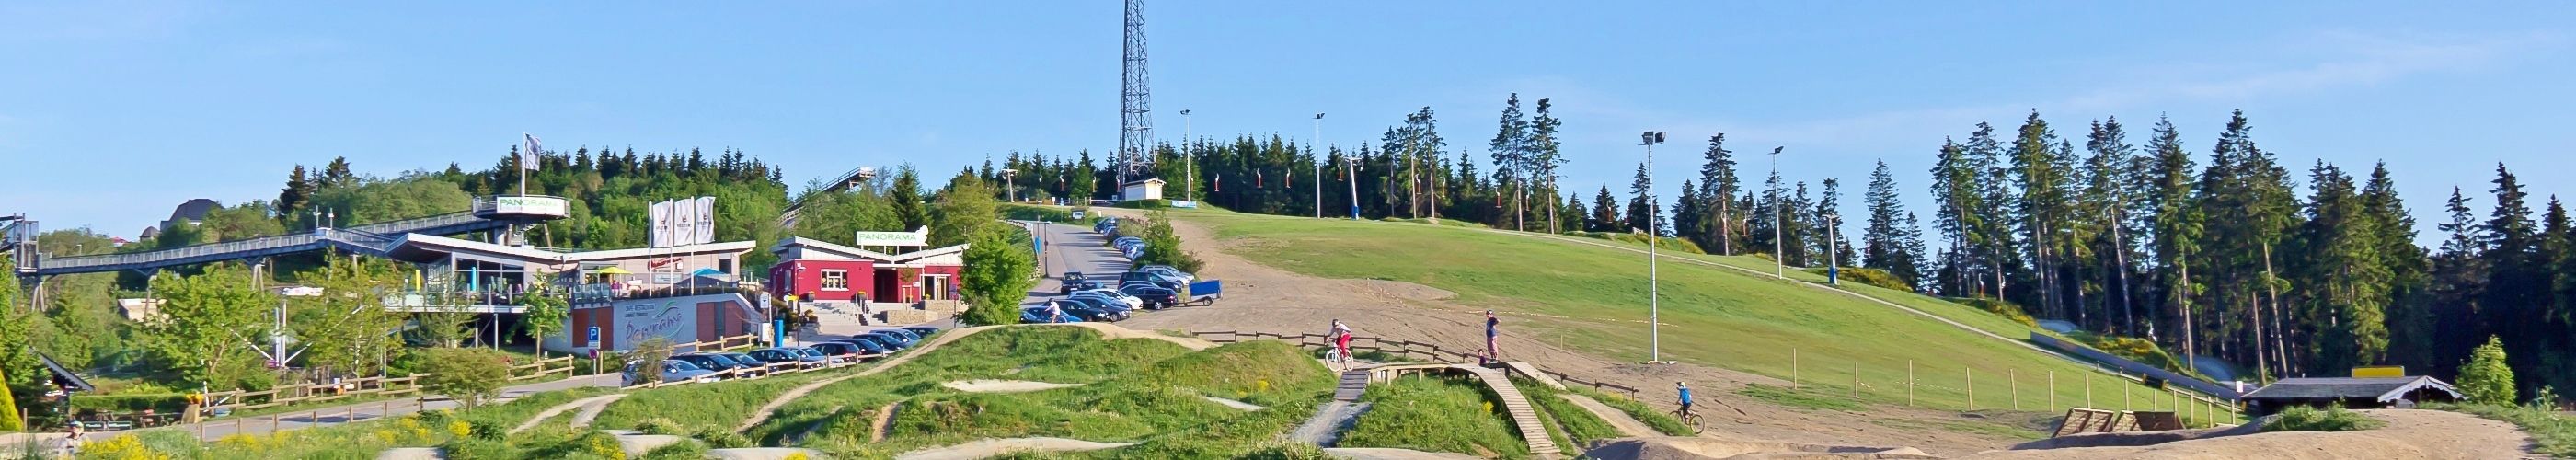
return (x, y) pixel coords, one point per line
(2411, 434)
(1261, 298)
(1680, 448)
(2139, 438)
(636, 445)
(993, 447)
(1003, 386)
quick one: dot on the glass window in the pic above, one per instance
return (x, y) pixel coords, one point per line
(836, 280)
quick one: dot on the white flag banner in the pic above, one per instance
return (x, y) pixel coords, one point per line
(659, 224)
(528, 154)
(684, 230)
(706, 219)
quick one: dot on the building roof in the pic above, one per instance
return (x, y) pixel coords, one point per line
(64, 378)
(2376, 389)
(1139, 182)
(194, 210)
(417, 247)
(846, 252)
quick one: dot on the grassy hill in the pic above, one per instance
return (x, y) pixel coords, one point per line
(1583, 295)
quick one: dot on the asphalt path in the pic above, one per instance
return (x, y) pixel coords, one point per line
(1074, 248)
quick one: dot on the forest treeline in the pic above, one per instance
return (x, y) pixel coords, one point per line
(2211, 248)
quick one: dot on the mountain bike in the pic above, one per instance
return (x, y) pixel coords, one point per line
(1693, 420)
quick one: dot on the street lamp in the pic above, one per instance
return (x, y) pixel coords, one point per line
(1189, 156)
(1313, 144)
(1831, 265)
(1654, 230)
(1779, 252)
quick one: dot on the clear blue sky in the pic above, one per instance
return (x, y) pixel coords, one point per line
(113, 112)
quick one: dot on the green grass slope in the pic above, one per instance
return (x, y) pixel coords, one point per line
(1584, 296)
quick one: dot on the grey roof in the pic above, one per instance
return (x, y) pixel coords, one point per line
(195, 210)
(2377, 389)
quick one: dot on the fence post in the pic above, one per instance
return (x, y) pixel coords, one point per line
(1793, 369)
(1909, 383)
(2124, 398)
(2088, 390)
(2014, 375)
(1855, 380)
(1972, 389)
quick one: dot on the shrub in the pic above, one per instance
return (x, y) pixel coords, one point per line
(721, 438)
(471, 376)
(8, 406)
(2486, 379)
(1145, 204)
(125, 447)
(2332, 418)
(1036, 213)
(2005, 309)
(476, 449)
(1869, 276)
(658, 425)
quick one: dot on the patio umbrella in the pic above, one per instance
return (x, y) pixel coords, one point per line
(612, 270)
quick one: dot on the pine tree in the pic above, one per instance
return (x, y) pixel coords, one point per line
(1882, 242)
(1605, 213)
(290, 201)
(2108, 184)
(1545, 159)
(1510, 150)
(1954, 188)
(2176, 224)
(1642, 212)
(1831, 242)
(2458, 282)
(2517, 282)
(906, 195)
(337, 174)
(2035, 169)
(2486, 379)
(2410, 322)
(2341, 277)
(1719, 185)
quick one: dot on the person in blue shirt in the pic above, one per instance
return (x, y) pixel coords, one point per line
(1492, 352)
(1686, 399)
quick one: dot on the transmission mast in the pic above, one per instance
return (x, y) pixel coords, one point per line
(1135, 122)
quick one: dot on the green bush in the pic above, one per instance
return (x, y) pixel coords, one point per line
(1036, 213)
(1999, 307)
(8, 405)
(2485, 379)
(1145, 204)
(662, 426)
(721, 438)
(2332, 418)
(468, 375)
(1869, 276)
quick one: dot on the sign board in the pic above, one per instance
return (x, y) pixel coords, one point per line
(669, 278)
(593, 337)
(1077, 214)
(671, 320)
(2373, 372)
(920, 237)
(529, 205)
(1184, 204)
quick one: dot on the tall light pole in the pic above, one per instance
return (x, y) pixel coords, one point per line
(1832, 267)
(1316, 145)
(1351, 173)
(1654, 231)
(1011, 191)
(1189, 157)
(1779, 251)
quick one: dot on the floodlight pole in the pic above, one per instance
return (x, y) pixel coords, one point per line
(1315, 144)
(1654, 231)
(1832, 266)
(1189, 158)
(1351, 174)
(1011, 190)
(1779, 251)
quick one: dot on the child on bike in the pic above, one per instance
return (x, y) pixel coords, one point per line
(1686, 398)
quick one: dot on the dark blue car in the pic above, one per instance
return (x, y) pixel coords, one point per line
(865, 346)
(1038, 315)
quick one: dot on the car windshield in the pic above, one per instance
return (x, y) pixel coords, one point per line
(678, 365)
(717, 360)
(809, 352)
(742, 358)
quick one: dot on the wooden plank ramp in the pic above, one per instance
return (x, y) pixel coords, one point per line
(1354, 383)
(1524, 416)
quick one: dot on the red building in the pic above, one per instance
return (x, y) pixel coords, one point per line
(835, 273)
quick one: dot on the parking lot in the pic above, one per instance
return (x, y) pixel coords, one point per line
(1088, 256)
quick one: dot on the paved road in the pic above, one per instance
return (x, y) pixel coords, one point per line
(1072, 247)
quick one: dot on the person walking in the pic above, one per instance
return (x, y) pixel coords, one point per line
(72, 442)
(1493, 333)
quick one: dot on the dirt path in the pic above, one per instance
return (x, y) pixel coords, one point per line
(591, 412)
(583, 404)
(1262, 298)
(2411, 434)
(1326, 426)
(1627, 426)
(992, 447)
(1232, 403)
(884, 422)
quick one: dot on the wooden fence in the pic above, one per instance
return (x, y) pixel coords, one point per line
(1407, 349)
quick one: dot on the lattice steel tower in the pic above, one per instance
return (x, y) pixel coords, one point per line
(1135, 120)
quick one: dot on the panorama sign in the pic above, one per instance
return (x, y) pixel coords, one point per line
(529, 205)
(919, 237)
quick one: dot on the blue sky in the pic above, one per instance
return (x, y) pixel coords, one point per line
(116, 111)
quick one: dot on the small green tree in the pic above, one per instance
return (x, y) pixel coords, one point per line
(2486, 379)
(963, 211)
(8, 406)
(649, 354)
(998, 274)
(471, 376)
(546, 315)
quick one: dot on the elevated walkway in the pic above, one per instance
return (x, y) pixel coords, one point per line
(370, 239)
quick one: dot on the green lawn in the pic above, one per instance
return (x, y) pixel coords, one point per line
(1436, 415)
(1593, 298)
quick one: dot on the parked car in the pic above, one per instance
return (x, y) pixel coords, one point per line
(1100, 309)
(810, 352)
(1155, 297)
(720, 363)
(865, 346)
(924, 331)
(1132, 301)
(1038, 315)
(673, 371)
(842, 351)
(1154, 283)
(747, 360)
(890, 343)
(785, 356)
(906, 334)
(1123, 278)
(1168, 271)
(1076, 281)
(1124, 241)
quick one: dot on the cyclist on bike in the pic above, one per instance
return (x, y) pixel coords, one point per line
(1686, 399)
(1341, 336)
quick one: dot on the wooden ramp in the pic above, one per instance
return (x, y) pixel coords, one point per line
(2081, 420)
(1532, 372)
(1524, 415)
(1354, 383)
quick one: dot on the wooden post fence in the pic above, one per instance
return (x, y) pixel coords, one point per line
(1972, 389)
(2052, 390)
(1909, 383)
(1855, 380)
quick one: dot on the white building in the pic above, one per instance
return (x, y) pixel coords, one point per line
(1148, 189)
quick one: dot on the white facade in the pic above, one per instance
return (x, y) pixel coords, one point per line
(1148, 189)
